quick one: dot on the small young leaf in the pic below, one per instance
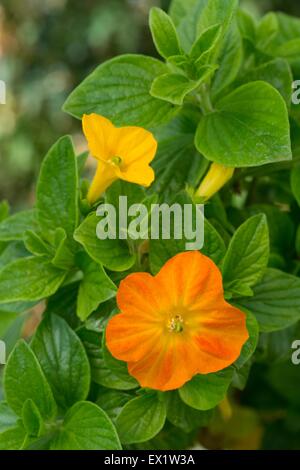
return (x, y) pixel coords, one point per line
(172, 87)
(32, 419)
(24, 379)
(163, 33)
(141, 419)
(95, 288)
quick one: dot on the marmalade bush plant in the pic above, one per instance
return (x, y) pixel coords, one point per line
(142, 344)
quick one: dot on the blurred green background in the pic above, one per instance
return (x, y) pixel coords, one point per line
(46, 48)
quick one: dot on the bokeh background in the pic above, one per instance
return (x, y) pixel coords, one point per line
(46, 48)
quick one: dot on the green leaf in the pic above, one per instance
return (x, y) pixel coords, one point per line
(162, 249)
(13, 251)
(249, 127)
(13, 227)
(32, 420)
(63, 257)
(172, 87)
(183, 416)
(57, 189)
(95, 288)
(204, 392)
(29, 279)
(295, 183)
(124, 81)
(276, 301)
(8, 418)
(267, 29)
(116, 376)
(247, 255)
(214, 246)
(247, 25)
(113, 254)
(250, 346)
(141, 419)
(4, 210)
(276, 72)
(24, 379)
(35, 244)
(163, 33)
(112, 401)
(206, 43)
(86, 427)
(119, 369)
(63, 360)
(13, 438)
(186, 14)
(177, 162)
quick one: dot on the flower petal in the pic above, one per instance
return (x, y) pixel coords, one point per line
(105, 175)
(139, 173)
(134, 144)
(100, 133)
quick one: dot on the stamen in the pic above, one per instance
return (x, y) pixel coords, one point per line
(116, 160)
(176, 324)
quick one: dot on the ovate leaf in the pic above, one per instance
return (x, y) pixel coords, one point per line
(276, 300)
(247, 255)
(63, 360)
(124, 81)
(249, 127)
(204, 392)
(86, 427)
(95, 288)
(24, 379)
(29, 278)
(57, 189)
(141, 419)
(13, 227)
(163, 33)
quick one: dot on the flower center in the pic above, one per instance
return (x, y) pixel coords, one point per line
(117, 161)
(176, 324)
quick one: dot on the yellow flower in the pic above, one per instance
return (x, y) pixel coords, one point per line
(122, 153)
(216, 178)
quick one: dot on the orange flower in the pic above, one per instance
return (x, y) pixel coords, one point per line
(122, 153)
(176, 324)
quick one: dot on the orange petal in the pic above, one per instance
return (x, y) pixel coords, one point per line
(167, 369)
(191, 277)
(99, 133)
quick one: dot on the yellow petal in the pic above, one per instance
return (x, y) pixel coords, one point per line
(134, 144)
(99, 133)
(104, 177)
(139, 173)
